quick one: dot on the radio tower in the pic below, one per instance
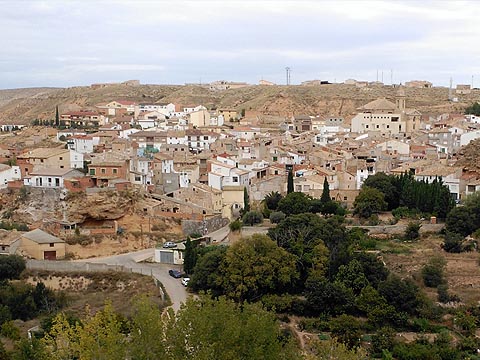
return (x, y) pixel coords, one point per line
(287, 70)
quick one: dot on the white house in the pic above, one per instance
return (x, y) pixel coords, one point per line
(8, 173)
(83, 144)
(50, 178)
(221, 175)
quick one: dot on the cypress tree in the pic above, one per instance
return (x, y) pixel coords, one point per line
(290, 188)
(57, 117)
(246, 200)
(325, 198)
(190, 256)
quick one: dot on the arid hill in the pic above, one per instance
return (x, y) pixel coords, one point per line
(25, 105)
(468, 156)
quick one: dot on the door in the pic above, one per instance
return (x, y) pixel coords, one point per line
(50, 255)
(166, 257)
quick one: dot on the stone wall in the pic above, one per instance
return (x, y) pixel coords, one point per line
(212, 223)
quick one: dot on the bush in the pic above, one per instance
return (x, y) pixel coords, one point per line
(235, 225)
(252, 217)
(11, 266)
(413, 231)
(452, 242)
(433, 272)
(10, 331)
(276, 217)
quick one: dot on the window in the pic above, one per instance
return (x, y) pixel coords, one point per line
(103, 171)
(92, 171)
(114, 171)
(60, 158)
(235, 179)
(205, 138)
(52, 244)
(345, 198)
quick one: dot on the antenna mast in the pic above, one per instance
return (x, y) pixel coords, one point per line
(288, 71)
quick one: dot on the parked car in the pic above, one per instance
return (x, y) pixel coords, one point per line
(185, 281)
(169, 244)
(175, 273)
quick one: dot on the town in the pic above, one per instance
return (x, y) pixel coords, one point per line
(154, 187)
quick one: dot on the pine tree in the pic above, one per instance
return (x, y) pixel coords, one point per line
(290, 182)
(325, 198)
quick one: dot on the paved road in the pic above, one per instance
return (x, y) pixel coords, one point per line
(175, 290)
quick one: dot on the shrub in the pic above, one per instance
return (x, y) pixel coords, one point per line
(452, 242)
(413, 231)
(235, 225)
(276, 217)
(252, 217)
(10, 331)
(433, 272)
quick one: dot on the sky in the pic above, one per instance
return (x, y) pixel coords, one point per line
(65, 43)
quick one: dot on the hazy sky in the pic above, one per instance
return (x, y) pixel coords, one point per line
(66, 43)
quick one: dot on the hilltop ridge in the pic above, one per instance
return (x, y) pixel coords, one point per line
(24, 105)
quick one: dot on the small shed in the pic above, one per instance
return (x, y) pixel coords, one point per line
(40, 245)
(171, 255)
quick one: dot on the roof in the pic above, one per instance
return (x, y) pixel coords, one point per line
(379, 104)
(55, 172)
(43, 153)
(41, 237)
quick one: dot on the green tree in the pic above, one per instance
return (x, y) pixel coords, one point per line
(295, 203)
(272, 199)
(11, 266)
(276, 217)
(256, 266)
(400, 293)
(246, 200)
(30, 349)
(206, 274)
(473, 109)
(368, 202)
(221, 329)
(383, 339)
(148, 330)
(190, 256)
(325, 198)
(290, 188)
(352, 276)
(326, 297)
(387, 185)
(57, 117)
(346, 329)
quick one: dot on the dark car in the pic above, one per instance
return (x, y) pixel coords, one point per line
(175, 273)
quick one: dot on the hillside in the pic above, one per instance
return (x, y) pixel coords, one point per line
(468, 156)
(25, 105)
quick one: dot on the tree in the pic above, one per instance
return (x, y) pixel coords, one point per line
(473, 109)
(402, 294)
(295, 203)
(272, 199)
(57, 117)
(206, 274)
(325, 198)
(221, 329)
(190, 256)
(147, 331)
(256, 266)
(346, 329)
(290, 188)
(326, 297)
(386, 184)
(368, 202)
(246, 200)
(11, 266)
(252, 217)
